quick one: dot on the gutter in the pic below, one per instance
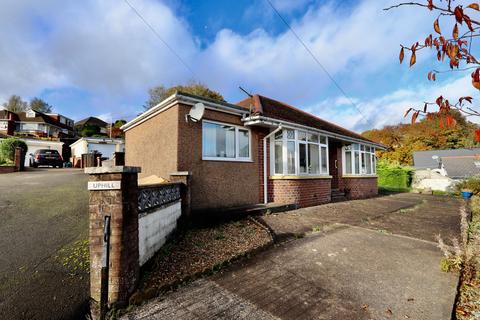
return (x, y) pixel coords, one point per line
(249, 121)
(265, 186)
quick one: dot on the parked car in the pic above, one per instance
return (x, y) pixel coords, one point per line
(46, 157)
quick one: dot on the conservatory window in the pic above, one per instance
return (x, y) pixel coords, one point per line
(359, 159)
(299, 152)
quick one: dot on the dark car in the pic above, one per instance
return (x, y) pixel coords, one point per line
(46, 157)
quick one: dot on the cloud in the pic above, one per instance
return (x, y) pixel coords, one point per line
(351, 44)
(102, 49)
(99, 46)
(390, 108)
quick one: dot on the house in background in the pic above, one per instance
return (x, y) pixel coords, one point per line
(257, 151)
(441, 169)
(35, 124)
(38, 130)
(91, 126)
(104, 146)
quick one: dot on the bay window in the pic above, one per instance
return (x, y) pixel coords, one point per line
(359, 159)
(221, 141)
(298, 152)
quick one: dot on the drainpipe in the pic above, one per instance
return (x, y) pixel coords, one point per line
(265, 186)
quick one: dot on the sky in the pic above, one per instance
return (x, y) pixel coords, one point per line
(98, 58)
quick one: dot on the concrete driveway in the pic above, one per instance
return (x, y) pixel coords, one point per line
(43, 214)
(367, 259)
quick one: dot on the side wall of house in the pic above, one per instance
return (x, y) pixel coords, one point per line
(216, 184)
(153, 144)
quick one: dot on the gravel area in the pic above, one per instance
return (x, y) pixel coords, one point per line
(199, 251)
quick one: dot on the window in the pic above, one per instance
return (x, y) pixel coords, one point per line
(297, 152)
(359, 160)
(225, 142)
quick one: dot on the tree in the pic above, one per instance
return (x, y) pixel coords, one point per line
(160, 93)
(38, 104)
(427, 134)
(116, 132)
(454, 48)
(90, 130)
(15, 104)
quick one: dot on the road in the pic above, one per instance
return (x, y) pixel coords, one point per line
(43, 232)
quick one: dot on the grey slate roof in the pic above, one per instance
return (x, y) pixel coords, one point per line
(424, 160)
(460, 167)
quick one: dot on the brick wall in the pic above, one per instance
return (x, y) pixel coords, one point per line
(303, 192)
(360, 188)
(7, 169)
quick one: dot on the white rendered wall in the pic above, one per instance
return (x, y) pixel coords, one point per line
(154, 228)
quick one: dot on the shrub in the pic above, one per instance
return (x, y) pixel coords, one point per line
(7, 148)
(472, 183)
(393, 176)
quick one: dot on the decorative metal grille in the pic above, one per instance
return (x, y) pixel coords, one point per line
(156, 196)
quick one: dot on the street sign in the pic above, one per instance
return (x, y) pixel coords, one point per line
(104, 185)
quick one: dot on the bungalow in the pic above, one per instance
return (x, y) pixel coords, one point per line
(257, 151)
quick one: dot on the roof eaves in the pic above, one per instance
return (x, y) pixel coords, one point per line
(255, 119)
(186, 98)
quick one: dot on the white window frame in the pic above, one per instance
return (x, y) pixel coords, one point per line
(237, 145)
(353, 150)
(297, 154)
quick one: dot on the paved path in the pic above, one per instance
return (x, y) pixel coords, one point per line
(372, 259)
(41, 212)
(409, 214)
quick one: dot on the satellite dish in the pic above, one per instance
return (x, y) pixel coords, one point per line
(196, 113)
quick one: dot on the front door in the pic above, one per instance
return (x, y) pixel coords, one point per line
(335, 162)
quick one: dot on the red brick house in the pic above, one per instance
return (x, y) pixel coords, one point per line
(257, 151)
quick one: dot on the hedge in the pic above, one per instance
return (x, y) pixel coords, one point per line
(7, 148)
(393, 176)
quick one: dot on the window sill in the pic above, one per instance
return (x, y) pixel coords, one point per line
(353, 176)
(227, 159)
(280, 177)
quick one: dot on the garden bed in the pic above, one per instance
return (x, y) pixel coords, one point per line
(468, 300)
(197, 252)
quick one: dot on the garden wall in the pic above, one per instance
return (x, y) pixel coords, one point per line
(154, 228)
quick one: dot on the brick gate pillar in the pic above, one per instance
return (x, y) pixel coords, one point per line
(19, 159)
(113, 192)
(184, 178)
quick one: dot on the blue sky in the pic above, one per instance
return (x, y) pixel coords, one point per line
(98, 58)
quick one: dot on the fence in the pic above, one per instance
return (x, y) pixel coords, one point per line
(128, 224)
